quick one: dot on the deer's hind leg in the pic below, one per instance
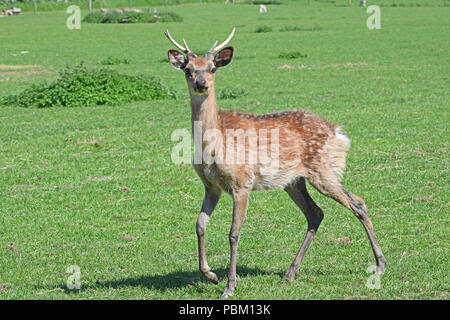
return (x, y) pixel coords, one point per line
(314, 216)
(327, 184)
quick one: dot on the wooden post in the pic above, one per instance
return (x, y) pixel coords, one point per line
(131, 4)
(35, 6)
(90, 5)
(349, 3)
(309, 2)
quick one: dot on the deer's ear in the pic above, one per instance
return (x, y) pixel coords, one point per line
(223, 57)
(177, 59)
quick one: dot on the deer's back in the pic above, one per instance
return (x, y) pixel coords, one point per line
(302, 145)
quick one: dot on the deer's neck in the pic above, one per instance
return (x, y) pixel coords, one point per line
(204, 111)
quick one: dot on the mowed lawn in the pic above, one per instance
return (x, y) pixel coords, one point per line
(95, 186)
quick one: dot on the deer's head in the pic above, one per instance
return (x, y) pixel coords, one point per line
(200, 71)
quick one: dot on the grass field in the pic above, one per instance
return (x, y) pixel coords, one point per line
(95, 186)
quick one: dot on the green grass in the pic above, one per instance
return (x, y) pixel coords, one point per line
(95, 187)
(111, 61)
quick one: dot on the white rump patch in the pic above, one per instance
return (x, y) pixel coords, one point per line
(338, 148)
(340, 136)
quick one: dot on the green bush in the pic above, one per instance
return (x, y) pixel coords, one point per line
(79, 86)
(169, 16)
(93, 17)
(57, 5)
(265, 2)
(132, 17)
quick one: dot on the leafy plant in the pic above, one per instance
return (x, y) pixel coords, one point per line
(232, 93)
(94, 17)
(265, 2)
(169, 16)
(133, 17)
(292, 55)
(79, 86)
(263, 29)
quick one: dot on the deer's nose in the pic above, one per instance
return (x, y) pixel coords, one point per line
(200, 83)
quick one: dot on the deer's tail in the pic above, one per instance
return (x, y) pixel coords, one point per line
(338, 146)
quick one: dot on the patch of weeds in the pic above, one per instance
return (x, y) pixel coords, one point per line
(232, 93)
(267, 17)
(292, 55)
(265, 2)
(132, 17)
(263, 29)
(111, 61)
(168, 16)
(94, 17)
(289, 28)
(316, 27)
(78, 86)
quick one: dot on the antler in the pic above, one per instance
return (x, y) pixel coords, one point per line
(223, 44)
(185, 50)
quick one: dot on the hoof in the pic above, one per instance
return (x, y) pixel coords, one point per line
(227, 293)
(289, 276)
(211, 276)
(380, 270)
(380, 267)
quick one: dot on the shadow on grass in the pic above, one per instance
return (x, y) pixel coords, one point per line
(173, 280)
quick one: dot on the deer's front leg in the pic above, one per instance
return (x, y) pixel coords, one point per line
(239, 211)
(209, 203)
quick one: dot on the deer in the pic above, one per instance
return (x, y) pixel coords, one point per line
(310, 149)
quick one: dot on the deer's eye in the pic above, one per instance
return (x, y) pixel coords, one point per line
(213, 70)
(188, 72)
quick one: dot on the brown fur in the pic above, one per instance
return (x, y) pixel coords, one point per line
(200, 63)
